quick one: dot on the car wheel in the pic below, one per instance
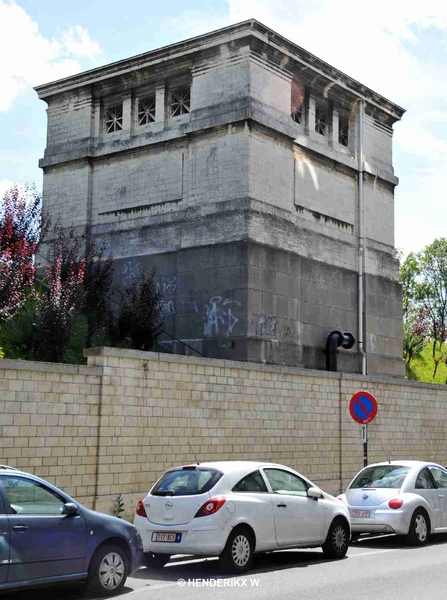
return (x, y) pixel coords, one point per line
(238, 552)
(337, 540)
(108, 571)
(419, 528)
(155, 561)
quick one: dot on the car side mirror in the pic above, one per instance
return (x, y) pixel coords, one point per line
(70, 510)
(314, 493)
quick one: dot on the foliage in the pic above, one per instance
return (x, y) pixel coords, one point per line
(118, 506)
(432, 289)
(17, 334)
(56, 315)
(97, 284)
(422, 367)
(20, 222)
(141, 317)
(424, 301)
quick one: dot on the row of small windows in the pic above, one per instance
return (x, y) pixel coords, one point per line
(322, 122)
(179, 104)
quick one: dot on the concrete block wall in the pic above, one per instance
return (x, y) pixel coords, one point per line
(114, 426)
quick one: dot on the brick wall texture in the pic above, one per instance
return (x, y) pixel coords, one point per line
(113, 426)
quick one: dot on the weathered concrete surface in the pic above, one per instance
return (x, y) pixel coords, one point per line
(237, 172)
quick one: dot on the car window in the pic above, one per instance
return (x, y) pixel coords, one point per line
(251, 483)
(283, 482)
(383, 476)
(439, 476)
(425, 480)
(28, 497)
(186, 482)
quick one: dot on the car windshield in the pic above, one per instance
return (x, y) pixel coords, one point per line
(385, 476)
(186, 482)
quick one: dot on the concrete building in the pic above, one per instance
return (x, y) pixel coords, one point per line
(255, 177)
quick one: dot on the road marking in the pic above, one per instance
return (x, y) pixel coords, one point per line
(149, 588)
(374, 552)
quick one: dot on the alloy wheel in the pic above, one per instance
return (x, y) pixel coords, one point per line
(240, 550)
(111, 570)
(420, 527)
(339, 538)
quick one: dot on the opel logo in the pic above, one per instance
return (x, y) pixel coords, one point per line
(365, 496)
(168, 505)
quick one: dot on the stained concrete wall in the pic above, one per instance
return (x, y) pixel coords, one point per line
(114, 426)
(237, 169)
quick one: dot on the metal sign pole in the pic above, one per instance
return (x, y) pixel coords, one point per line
(365, 444)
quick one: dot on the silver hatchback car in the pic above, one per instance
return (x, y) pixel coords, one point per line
(404, 497)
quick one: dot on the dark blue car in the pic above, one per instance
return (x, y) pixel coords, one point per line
(47, 537)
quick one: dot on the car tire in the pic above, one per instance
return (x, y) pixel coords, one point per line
(337, 540)
(108, 571)
(155, 561)
(237, 555)
(419, 528)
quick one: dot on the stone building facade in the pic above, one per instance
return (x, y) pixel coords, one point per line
(231, 162)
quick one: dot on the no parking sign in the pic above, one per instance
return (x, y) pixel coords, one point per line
(363, 409)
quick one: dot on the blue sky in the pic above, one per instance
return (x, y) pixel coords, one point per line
(397, 48)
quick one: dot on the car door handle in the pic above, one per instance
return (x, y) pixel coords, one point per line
(441, 495)
(20, 528)
(282, 505)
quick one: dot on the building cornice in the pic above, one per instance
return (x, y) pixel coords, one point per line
(247, 29)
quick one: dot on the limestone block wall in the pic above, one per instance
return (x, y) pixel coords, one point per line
(49, 423)
(114, 426)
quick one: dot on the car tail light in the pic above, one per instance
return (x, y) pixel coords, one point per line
(211, 506)
(140, 509)
(395, 503)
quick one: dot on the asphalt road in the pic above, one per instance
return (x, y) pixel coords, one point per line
(376, 569)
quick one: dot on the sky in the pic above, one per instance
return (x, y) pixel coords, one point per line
(398, 48)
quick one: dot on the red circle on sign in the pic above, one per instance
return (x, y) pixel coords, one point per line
(357, 408)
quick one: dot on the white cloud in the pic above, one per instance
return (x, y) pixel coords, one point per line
(27, 58)
(5, 185)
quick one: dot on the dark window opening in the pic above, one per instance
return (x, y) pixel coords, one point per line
(181, 102)
(343, 131)
(146, 111)
(320, 121)
(113, 119)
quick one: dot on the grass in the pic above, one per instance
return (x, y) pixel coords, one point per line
(421, 368)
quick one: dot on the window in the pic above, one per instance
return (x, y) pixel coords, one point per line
(186, 482)
(343, 131)
(146, 110)
(251, 483)
(297, 102)
(113, 119)
(425, 481)
(28, 497)
(283, 482)
(181, 101)
(387, 476)
(320, 120)
(439, 476)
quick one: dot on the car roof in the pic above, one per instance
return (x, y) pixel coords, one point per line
(405, 463)
(233, 466)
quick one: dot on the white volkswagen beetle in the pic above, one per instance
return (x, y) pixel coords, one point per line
(235, 509)
(404, 497)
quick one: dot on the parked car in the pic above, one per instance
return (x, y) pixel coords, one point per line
(235, 509)
(404, 497)
(47, 537)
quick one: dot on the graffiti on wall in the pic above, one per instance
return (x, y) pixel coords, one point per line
(219, 316)
(265, 325)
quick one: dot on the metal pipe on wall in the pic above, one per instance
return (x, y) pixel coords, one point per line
(361, 266)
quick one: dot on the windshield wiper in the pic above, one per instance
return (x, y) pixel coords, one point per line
(169, 493)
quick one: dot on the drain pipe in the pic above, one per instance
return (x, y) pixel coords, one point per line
(361, 341)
